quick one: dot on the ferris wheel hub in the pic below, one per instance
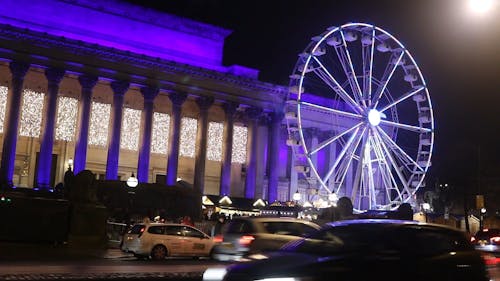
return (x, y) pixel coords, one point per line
(374, 117)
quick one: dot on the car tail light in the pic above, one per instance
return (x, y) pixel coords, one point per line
(141, 231)
(495, 239)
(246, 240)
(218, 238)
(490, 259)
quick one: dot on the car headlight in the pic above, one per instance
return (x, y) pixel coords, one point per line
(214, 274)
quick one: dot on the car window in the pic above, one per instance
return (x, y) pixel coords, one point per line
(191, 232)
(288, 228)
(174, 230)
(239, 227)
(136, 229)
(156, 229)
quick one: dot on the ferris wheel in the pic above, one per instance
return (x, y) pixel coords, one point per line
(361, 89)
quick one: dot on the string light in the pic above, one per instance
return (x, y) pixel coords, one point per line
(239, 154)
(99, 123)
(214, 142)
(3, 104)
(67, 109)
(189, 126)
(31, 116)
(131, 124)
(161, 129)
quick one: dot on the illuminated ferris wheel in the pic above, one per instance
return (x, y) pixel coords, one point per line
(361, 88)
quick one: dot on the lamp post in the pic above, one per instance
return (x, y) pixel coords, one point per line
(481, 218)
(132, 181)
(296, 197)
(70, 164)
(426, 207)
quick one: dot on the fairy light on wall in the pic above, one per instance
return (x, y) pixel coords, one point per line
(214, 142)
(99, 123)
(188, 137)
(239, 145)
(31, 114)
(161, 129)
(3, 104)
(131, 124)
(67, 109)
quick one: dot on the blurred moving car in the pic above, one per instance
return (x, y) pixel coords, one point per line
(366, 250)
(488, 242)
(248, 235)
(160, 240)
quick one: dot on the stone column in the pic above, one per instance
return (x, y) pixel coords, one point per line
(87, 82)
(204, 104)
(274, 155)
(149, 93)
(225, 177)
(174, 137)
(11, 123)
(54, 77)
(119, 90)
(253, 116)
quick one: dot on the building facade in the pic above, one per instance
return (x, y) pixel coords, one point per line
(121, 90)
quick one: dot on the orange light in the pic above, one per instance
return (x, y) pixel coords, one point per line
(218, 238)
(246, 240)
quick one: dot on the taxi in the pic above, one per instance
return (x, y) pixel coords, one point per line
(160, 240)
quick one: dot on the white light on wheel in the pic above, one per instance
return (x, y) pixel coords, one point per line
(374, 117)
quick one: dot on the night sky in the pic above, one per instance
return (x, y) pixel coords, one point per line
(457, 51)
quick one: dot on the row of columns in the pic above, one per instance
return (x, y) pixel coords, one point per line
(54, 77)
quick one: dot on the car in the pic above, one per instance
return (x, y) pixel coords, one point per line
(354, 250)
(249, 235)
(488, 242)
(160, 240)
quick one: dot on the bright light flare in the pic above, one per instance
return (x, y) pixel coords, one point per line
(481, 6)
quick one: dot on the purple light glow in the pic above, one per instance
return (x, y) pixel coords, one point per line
(139, 30)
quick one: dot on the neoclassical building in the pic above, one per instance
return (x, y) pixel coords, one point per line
(120, 89)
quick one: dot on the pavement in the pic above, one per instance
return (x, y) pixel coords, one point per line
(44, 261)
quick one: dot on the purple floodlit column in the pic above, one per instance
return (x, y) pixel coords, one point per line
(54, 77)
(149, 93)
(251, 172)
(225, 177)
(274, 155)
(119, 89)
(204, 104)
(174, 136)
(18, 70)
(87, 82)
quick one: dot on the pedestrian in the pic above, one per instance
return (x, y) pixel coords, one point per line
(217, 228)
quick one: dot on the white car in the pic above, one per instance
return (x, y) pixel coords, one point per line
(160, 240)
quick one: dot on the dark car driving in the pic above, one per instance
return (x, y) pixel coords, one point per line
(367, 250)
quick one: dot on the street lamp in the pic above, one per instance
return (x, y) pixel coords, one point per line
(70, 164)
(296, 197)
(426, 207)
(481, 218)
(132, 181)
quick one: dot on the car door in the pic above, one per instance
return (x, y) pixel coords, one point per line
(174, 239)
(196, 242)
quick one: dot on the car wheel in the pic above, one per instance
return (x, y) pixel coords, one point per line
(159, 252)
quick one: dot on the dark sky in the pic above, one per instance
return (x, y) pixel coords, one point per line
(457, 52)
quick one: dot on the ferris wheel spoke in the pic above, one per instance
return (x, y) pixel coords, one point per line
(341, 155)
(348, 66)
(359, 169)
(406, 127)
(331, 110)
(387, 77)
(368, 62)
(402, 98)
(330, 140)
(393, 163)
(328, 79)
(399, 149)
(385, 171)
